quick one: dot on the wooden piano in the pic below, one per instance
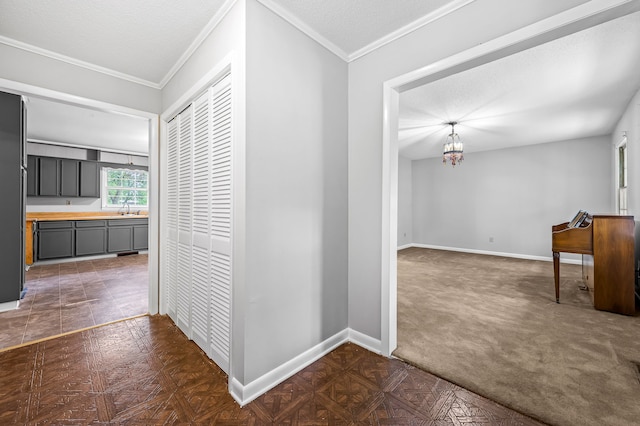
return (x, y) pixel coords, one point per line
(606, 243)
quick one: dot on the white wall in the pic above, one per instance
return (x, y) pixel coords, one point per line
(512, 196)
(630, 123)
(227, 38)
(37, 70)
(478, 22)
(405, 202)
(296, 200)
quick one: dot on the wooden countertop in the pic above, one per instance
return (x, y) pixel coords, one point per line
(49, 216)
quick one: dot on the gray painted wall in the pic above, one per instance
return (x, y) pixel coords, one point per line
(366, 77)
(227, 38)
(405, 202)
(512, 196)
(630, 122)
(36, 70)
(296, 193)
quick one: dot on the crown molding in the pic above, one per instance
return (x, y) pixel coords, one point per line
(87, 65)
(348, 57)
(409, 28)
(211, 25)
(302, 26)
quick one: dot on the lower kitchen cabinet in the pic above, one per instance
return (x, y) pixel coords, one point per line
(91, 237)
(60, 239)
(120, 239)
(141, 237)
(55, 240)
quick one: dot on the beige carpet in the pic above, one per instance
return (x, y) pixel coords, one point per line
(491, 325)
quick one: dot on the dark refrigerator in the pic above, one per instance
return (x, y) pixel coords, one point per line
(13, 171)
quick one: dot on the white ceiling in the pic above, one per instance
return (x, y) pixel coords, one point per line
(146, 40)
(139, 40)
(570, 88)
(56, 122)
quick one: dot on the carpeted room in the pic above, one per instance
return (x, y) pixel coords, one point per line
(491, 325)
(483, 314)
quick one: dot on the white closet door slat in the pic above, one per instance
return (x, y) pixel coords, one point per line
(220, 224)
(200, 224)
(171, 249)
(185, 143)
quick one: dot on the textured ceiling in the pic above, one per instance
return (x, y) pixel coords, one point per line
(146, 40)
(352, 28)
(577, 86)
(140, 39)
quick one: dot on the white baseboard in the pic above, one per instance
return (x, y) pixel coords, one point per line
(367, 342)
(8, 306)
(402, 247)
(247, 393)
(492, 253)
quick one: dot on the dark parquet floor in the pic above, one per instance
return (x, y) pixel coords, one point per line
(144, 371)
(64, 297)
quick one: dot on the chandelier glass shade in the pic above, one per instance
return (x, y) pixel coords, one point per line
(452, 150)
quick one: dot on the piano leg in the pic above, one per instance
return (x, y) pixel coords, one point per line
(556, 274)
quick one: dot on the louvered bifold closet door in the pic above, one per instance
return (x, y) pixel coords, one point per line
(170, 251)
(200, 288)
(220, 224)
(185, 136)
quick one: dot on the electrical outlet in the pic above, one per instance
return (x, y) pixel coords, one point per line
(490, 239)
(68, 202)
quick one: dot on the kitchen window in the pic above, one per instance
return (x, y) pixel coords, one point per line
(125, 187)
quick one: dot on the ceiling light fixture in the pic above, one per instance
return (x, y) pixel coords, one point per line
(452, 148)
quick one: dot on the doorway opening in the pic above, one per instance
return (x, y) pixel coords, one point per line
(147, 261)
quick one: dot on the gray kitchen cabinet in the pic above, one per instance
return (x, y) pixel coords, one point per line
(48, 177)
(129, 234)
(55, 240)
(89, 179)
(91, 237)
(62, 177)
(69, 174)
(68, 238)
(32, 176)
(141, 237)
(120, 239)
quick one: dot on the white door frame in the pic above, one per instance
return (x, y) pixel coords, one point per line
(40, 92)
(573, 20)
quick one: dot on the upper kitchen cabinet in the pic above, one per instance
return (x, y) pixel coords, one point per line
(69, 178)
(32, 176)
(89, 179)
(63, 177)
(48, 177)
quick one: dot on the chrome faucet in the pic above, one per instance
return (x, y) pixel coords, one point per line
(125, 205)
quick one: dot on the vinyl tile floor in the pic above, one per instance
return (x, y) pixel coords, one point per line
(64, 297)
(144, 371)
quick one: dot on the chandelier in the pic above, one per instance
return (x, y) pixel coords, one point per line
(452, 148)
